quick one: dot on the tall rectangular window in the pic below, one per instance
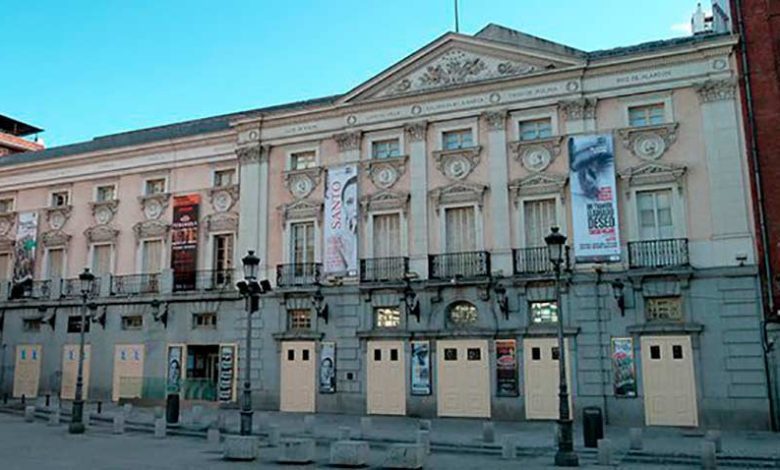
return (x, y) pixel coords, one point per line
(536, 129)
(154, 186)
(302, 242)
(101, 259)
(5, 265)
(151, 256)
(105, 193)
(385, 148)
(646, 115)
(223, 178)
(387, 235)
(59, 199)
(539, 216)
(457, 139)
(655, 214)
(460, 226)
(299, 319)
(303, 160)
(55, 263)
(223, 252)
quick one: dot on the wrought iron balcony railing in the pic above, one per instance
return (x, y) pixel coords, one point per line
(71, 288)
(467, 265)
(537, 260)
(30, 289)
(131, 284)
(205, 280)
(298, 274)
(658, 253)
(384, 269)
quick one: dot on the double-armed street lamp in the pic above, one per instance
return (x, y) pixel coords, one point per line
(76, 426)
(565, 456)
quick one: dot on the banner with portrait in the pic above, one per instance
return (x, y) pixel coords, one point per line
(328, 368)
(594, 198)
(24, 248)
(421, 368)
(623, 367)
(341, 221)
(506, 368)
(173, 382)
(184, 242)
(227, 373)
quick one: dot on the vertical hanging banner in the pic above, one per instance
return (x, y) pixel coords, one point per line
(341, 221)
(26, 242)
(623, 369)
(227, 367)
(506, 368)
(328, 368)
(174, 369)
(184, 242)
(421, 368)
(594, 198)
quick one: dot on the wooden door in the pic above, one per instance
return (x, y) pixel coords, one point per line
(540, 360)
(463, 385)
(386, 378)
(669, 383)
(298, 381)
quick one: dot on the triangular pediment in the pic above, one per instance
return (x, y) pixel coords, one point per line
(539, 183)
(457, 60)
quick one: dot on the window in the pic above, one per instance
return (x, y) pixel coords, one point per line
(394, 354)
(223, 252)
(5, 265)
(31, 325)
(223, 178)
(387, 235)
(458, 139)
(6, 205)
(677, 351)
(101, 259)
(646, 115)
(543, 312)
(555, 352)
(535, 129)
(463, 314)
(473, 354)
(303, 160)
(664, 309)
(59, 199)
(385, 148)
(655, 352)
(387, 317)
(154, 186)
(655, 214)
(461, 230)
(55, 263)
(539, 216)
(536, 353)
(450, 354)
(204, 320)
(291, 354)
(305, 355)
(74, 324)
(151, 256)
(302, 241)
(132, 322)
(377, 355)
(299, 319)
(105, 193)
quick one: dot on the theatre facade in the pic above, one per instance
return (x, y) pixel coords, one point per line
(402, 227)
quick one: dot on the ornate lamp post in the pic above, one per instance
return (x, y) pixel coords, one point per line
(565, 456)
(76, 426)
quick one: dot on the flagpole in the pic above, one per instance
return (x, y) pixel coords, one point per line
(457, 25)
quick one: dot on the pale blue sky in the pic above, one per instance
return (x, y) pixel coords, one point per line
(83, 68)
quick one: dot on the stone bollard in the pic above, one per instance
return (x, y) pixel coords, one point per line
(29, 414)
(54, 417)
(296, 451)
(635, 436)
(160, 428)
(605, 451)
(213, 438)
(345, 433)
(196, 414)
(240, 448)
(424, 425)
(308, 424)
(424, 439)
(159, 412)
(365, 427)
(708, 459)
(119, 424)
(405, 456)
(127, 408)
(509, 447)
(488, 432)
(221, 422)
(273, 435)
(349, 453)
(714, 436)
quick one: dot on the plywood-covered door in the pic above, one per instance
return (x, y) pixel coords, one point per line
(27, 370)
(463, 386)
(669, 383)
(386, 378)
(298, 377)
(70, 367)
(542, 377)
(128, 371)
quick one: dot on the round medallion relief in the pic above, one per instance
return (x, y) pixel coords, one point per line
(103, 215)
(222, 201)
(56, 220)
(458, 168)
(536, 158)
(649, 146)
(153, 209)
(301, 186)
(385, 176)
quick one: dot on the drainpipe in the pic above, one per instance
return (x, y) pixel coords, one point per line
(754, 157)
(597, 293)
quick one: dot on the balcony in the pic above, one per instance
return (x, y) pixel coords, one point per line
(133, 284)
(205, 280)
(30, 290)
(298, 274)
(384, 269)
(71, 288)
(658, 253)
(467, 265)
(537, 261)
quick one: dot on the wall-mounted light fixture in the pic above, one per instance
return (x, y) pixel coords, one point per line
(619, 296)
(320, 306)
(411, 300)
(502, 301)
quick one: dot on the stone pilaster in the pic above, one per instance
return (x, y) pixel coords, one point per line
(349, 146)
(579, 115)
(252, 228)
(416, 134)
(498, 167)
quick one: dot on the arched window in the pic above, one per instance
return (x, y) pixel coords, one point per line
(462, 314)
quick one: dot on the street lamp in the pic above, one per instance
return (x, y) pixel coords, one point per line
(565, 456)
(76, 426)
(617, 293)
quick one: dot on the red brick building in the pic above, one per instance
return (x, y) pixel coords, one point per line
(12, 133)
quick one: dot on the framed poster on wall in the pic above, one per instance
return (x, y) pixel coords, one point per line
(226, 391)
(623, 367)
(421, 367)
(506, 368)
(175, 370)
(328, 368)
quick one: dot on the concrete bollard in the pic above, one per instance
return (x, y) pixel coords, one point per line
(424, 425)
(509, 447)
(405, 456)
(221, 421)
(127, 408)
(160, 428)
(196, 415)
(274, 436)
(605, 451)
(240, 448)
(365, 427)
(29, 414)
(635, 437)
(296, 451)
(488, 432)
(424, 439)
(349, 454)
(714, 436)
(213, 438)
(159, 412)
(345, 433)
(708, 459)
(308, 424)
(119, 424)
(54, 417)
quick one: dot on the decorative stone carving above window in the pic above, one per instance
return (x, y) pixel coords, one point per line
(253, 154)
(496, 120)
(101, 233)
(460, 192)
(651, 142)
(56, 217)
(103, 212)
(458, 164)
(222, 222)
(301, 209)
(654, 173)
(716, 90)
(536, 155)
(581, 108)
(150, 229)
(223, 198)
(416, 131)
(301, 183)
(54, 238)
(539, 183)
(384, 201)
(154, 205)
(385, 172)
(348, 140)
(7, 222)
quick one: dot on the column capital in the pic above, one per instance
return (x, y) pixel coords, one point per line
(716, 90)
(253, 154)
(496, 120)
(581, 108)
(416, 131)
(348, 140)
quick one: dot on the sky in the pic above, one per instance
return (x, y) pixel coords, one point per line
(85, 68)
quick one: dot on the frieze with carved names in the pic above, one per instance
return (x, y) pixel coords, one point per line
(385, 172)
(539, 184)
(717, 90)
(223, 198)
(458, 164)
(649, 143)
(459, 192)
(301, 183)
(577, 109)
(103, 211)
(536, 155)
(154, 205)
(348, 141)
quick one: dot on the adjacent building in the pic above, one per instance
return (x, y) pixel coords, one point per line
(12, 136)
